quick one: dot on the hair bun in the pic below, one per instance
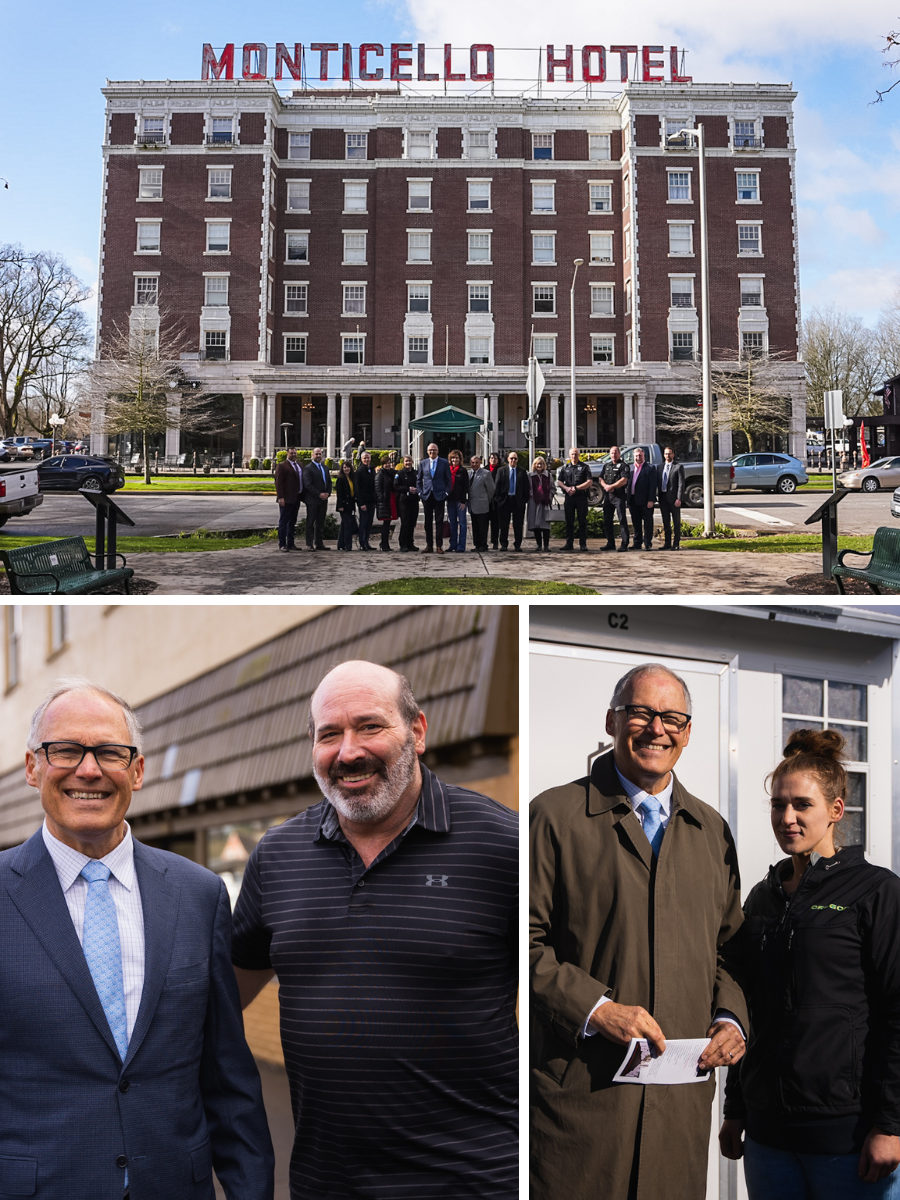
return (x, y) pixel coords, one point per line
(820, 743)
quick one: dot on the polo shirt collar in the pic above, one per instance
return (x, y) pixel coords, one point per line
(432, 811)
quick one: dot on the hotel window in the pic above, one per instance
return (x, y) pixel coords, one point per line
(295, 348)
(354, 247)
(747, 185)
(541, 145)
(59, 628)
(480, 143)
(745, 135)
(674, 126)
(216, 347)
(626, 242)
(418, 247)
(146, 289)
(753, 344)
(353, 350)
(417, 349)
(750, 239)
(13, 617)
(297, 247)
(681, 239)
(682, 346)
(153, 131)
(296, 298)
(479, 195)
(216, 290)
(418, 297)
(479, 351)
(418, 143)
(148, 237)
(598, 147)
(543, 300)
(354, 299)
(479, 297)
(543, 197)
(545, 350)
(356, 145)
(480, 247)
(151, 185)
(751, 293)
(679, 185)
(601, 248)
(601, 197)
(218, 186)
(543, 247)
(601, 348)
(419, 197)
(298, 145)
(222, 131)
(355, 197)
(681, 293)
(628, 296)
(602, 300)
(298, 196)
(218, 237)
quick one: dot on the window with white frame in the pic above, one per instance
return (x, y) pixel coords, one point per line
(749, 239)
(626, 242)
(681, 293)
(218, 184)
(751, 293)
(419, 144)
(146, 289)
(543, 302)
(218, 237)
(679, 185)
(419, 196)
(418, 297)
(297, 247)
(600, 197)
(543, 247)
(222, 132)
(479, 195)
(602, 348)
(356, 145)
(216, 290)
(296, 298)
(417, 349)
(153, 130)
(295, 348)
(626, 190)
(479, 352)
(753, 344)
(298, 195)
(681, 238)
(543, 197)
(216, 344)
(545, 350)
(479, 297)
(354, 247)
(745, 135)
(59, 627)
(541, 145)
(355, 197)
(682, 346)
(601, 248)
(602, 297)
(354, 299)
(598, 147)
(628, 295)
(148, 237)
(270, 292)
(353, 350)
(13, 618)
(480, 246)
(480, 143)
(151, 184)
(418, 246)
(298, 145)
(747, 186)
(674, 126)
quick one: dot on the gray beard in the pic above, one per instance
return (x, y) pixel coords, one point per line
(381, 798)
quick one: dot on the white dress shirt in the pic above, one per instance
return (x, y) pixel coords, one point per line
(123, 887)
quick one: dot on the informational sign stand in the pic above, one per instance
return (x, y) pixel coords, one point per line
(109, 515)
(827, 514)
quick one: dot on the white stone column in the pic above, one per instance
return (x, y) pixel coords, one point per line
(254, 427)
(345, 418)
(553, 425)
(269, 448)
(495, 422)
(479, 407)
(420, 405)
(330, 418)
(628, 420)
(404, 423)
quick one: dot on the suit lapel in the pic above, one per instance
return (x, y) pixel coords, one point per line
(39, 898)
(159, 903)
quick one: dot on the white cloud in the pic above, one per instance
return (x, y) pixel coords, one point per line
(858, 290)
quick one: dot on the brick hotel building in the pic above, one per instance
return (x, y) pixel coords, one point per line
(344, 261)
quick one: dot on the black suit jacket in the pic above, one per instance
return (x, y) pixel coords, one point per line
(313, 484)
(520, 499)
(288, 482)
(675, 489)
(646, 487)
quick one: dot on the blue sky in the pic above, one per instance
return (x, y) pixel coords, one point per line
(848, 148)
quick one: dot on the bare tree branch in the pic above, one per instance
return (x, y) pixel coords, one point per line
(892, 42)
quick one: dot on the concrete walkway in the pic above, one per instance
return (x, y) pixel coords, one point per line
(264, 571)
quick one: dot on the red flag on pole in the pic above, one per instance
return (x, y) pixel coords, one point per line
(865, 449)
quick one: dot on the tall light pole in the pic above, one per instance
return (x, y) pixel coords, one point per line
(573, 428)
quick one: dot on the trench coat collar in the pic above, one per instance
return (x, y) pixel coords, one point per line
(605, 792)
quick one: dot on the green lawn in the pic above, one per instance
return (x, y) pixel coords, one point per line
(789, 543)
(155, 545)
(197, 483)
(472, 587)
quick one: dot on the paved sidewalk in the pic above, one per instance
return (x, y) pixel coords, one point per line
(263, 571)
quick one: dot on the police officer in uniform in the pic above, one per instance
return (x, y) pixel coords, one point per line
(614, 481)
(575, 480)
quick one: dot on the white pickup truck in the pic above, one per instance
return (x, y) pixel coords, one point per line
(19, 492)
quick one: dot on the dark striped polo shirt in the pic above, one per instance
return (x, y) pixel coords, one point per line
(398, 992)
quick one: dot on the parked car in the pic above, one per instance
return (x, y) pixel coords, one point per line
(693, 474)
(19, 493)
(769, 472)
(18, 447)
(895, 504)
(883, 473)
(71, 472)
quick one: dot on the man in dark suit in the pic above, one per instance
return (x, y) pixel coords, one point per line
(433, 483)
(124, 1065)
(316, 490)
(671, 494)
(288, 490)
(642, 489)
(511, 499)
(365, 498)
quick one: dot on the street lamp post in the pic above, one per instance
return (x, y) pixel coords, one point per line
(286, 425)
(573, 428)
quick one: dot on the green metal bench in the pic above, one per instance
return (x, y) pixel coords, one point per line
(883, 568)
(60, 568)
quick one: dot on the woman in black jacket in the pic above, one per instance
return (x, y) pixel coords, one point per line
(407, 504)
(345, 503)
(818, 1091)
(386, 499)
(364, 483)
(456, 502)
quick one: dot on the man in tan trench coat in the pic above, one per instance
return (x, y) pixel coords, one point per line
(626, 941)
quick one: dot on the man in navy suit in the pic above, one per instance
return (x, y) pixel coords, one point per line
(642, 489)
(512, 499)
(123, 1066)
(433, 483)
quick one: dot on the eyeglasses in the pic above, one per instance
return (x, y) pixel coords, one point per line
(71, 754)
(639, 715)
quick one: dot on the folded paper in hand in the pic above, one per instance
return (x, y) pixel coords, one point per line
(644, 1064)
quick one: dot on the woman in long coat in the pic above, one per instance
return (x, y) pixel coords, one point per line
(540, 500)
(386, 500)
(345, 504)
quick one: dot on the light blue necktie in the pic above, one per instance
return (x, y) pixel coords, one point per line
(103, 951)
(512, 480)
(653, 826)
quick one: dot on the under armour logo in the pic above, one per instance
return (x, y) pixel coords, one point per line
(436, 880)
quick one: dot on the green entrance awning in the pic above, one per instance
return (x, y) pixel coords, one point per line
(450, 420)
